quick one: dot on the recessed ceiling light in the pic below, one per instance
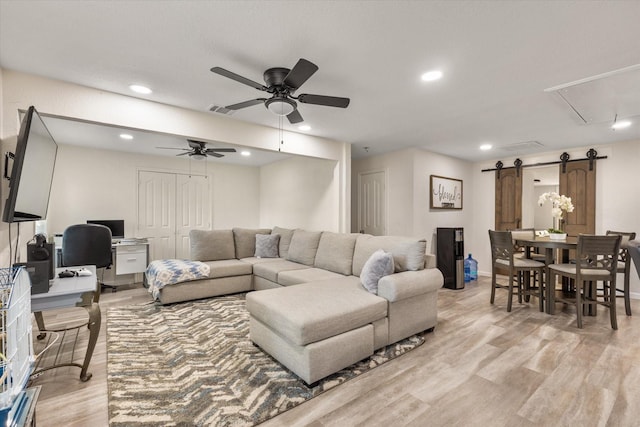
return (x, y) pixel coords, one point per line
(126, 136)
(140, 89)
(245, 153)
(485, 147)
(304, 127)
(621, 124)
(431, 75)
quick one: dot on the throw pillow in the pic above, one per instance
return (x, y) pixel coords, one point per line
(267, 245)
(379, 264)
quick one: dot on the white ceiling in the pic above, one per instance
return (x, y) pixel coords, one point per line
(498, 57)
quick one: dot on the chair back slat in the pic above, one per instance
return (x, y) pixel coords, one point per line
(598, 252)
(627, 236)
(522, 233)
(501, 245)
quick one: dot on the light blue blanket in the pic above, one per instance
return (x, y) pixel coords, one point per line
(171, 271)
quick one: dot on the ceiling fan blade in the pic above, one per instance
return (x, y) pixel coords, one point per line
(300, 73)
(185, 153)
(245, 104)
(220, 150)
(214, 154)
(329, 101)
(295, 117)
(171, 148)
(233, 76)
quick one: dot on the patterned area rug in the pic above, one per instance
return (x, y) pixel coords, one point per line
(193, 364)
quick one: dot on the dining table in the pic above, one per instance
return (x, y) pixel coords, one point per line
(550, 246)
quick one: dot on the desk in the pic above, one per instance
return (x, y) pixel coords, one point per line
(78, 291)
(549, 246)
(128, 257)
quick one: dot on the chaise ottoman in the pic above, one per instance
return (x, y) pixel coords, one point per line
(339, 325)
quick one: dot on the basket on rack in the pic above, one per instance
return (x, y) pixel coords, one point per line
(16, 345)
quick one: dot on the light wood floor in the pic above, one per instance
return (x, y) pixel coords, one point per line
(481, 366)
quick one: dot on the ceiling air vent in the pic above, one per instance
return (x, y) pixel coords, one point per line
(220, 110)
(523, 146)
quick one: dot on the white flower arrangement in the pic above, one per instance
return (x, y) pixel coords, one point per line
(560, 203)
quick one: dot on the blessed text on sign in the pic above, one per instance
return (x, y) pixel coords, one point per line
(445, 193)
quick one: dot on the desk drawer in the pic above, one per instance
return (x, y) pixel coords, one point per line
(131, 259)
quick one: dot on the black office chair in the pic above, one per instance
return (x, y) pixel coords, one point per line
(87, 244)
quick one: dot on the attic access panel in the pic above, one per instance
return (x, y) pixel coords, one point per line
(600, 98)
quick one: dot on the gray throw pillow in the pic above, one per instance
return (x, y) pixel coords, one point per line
(379, 264)
(267, 245)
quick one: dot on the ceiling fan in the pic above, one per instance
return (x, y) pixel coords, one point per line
(199, 151)
(282, 84)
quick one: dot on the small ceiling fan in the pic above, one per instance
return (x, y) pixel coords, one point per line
(282, 84)
(199, 151)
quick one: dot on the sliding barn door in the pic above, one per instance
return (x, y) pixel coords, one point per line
(579, 183)
(508, 209)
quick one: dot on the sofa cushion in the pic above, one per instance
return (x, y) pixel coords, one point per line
(408, 252)
(270, 270)
(304, 245)
(335, 252)
(267, 245)
(255, 260)
(285, 240)
(211, 245)
(379, 264)
(245, 240)
(296, 277)
(228, 268)
(336, 307)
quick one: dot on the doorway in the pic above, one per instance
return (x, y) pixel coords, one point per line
(372, 203)
(169, 206)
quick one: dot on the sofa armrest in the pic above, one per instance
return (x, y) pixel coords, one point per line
(430, 261)
(407, 284)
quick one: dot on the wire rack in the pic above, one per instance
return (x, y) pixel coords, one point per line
(16, 346)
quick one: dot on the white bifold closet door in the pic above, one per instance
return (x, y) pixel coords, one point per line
(169, 206)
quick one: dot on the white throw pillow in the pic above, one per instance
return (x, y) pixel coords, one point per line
(267, 245)
(379, 264)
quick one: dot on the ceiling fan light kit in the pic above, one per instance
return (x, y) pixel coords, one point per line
(282, 84)
(281, 106)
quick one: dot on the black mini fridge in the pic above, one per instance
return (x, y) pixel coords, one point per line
(450, 256)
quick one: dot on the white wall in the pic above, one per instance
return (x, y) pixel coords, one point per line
(408, 211)
(20, 90)
(617, 195)
(299, 192)
(84, 188)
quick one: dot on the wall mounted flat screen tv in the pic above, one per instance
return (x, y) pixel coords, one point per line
(115, 225)
(32, 173)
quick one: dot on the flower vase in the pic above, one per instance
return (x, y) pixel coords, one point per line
(557, 236)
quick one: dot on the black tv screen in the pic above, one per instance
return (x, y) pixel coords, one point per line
(115, 225)
(32, 172)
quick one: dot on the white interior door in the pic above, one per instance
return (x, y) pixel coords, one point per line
(193, 210)
(372, 203)
(157, 213)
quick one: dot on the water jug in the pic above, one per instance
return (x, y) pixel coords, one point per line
(470, 269)
(467, 271)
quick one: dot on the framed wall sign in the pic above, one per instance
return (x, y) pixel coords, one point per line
(445, 193)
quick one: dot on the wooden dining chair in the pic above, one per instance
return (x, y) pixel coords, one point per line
(624, 267)
(503, 257)
(596, 261)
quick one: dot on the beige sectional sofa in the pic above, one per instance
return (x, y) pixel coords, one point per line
(311, 311)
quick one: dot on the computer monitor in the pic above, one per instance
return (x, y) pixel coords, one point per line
(115, 225)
